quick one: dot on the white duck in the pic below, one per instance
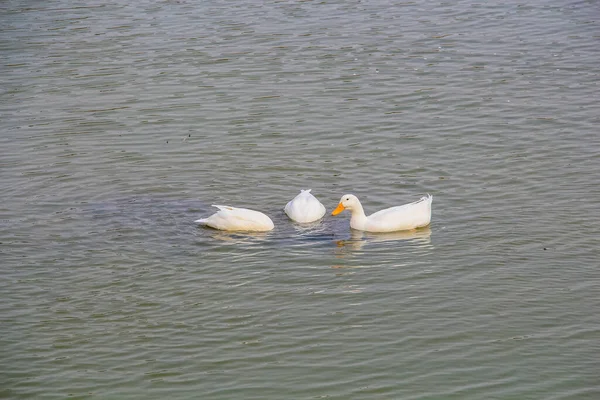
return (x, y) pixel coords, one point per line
(237, 219)
(305, 208)
(400, 218)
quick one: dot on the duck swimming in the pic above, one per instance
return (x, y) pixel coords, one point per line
(237, 219)
(305, 208)
(408, 216)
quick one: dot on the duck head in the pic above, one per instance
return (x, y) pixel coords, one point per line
(347, 202)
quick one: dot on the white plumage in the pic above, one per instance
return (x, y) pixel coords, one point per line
(408, 216)
(237, 219)
(305, 208)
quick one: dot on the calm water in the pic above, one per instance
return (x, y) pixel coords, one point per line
(122, 122)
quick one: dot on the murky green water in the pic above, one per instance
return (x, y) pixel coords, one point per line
(121, 123)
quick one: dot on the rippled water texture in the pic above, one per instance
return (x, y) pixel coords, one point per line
(122, 122)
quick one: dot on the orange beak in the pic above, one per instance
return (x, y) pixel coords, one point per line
(338, 209)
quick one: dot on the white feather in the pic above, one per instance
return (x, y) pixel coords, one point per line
(408, 216)
(237, 219)
(305, 208)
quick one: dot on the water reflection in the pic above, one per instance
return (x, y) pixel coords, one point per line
(310, 227)
(359, 239)
(238, 237)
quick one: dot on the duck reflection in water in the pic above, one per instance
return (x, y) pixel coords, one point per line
(240, 237)
(359, 239)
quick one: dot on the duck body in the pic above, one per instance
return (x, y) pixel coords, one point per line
(238, 219)
(400, 218)
(305, 208)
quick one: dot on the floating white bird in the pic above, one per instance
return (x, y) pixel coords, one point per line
(400, 218)
(305, 208)
(237, 219)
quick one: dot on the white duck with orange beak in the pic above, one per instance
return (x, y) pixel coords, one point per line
(400, 218)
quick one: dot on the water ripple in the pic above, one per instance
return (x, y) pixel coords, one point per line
(122, 123)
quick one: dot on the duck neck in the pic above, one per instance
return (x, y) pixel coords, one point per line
(358, 219)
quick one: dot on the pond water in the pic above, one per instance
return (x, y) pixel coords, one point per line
(123, 122)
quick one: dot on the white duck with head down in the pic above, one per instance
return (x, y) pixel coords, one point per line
(305, 208)
(400, 218)
(237, 219)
